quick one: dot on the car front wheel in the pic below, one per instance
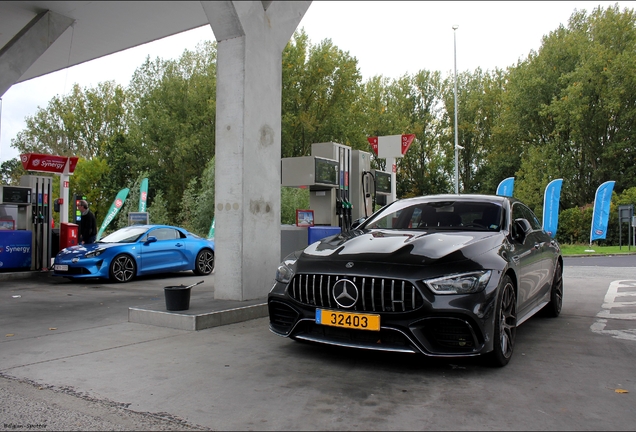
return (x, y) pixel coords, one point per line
(505, 324)
(122, 268)
(204, 263)
(553, 309)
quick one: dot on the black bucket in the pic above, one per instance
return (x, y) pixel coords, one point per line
(177, 297)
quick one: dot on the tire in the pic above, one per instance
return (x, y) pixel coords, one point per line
(204, 263)
(553, 309)
(505, 324)
(122, 268)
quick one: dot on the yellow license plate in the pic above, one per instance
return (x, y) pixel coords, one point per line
(348, 320)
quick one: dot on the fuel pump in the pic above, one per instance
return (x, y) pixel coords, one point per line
(342, 208)
(16, 237)
(40, 221)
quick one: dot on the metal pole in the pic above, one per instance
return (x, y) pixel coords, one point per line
(455, 27)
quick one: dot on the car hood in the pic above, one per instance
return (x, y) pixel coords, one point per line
(82, 249)
(405, 247)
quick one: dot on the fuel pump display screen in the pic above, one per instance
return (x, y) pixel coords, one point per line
(326, 171)
(382, 182)
(16, 195)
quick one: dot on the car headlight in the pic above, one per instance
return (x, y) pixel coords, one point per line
(284, 272)
(464, 283)
(94, 253)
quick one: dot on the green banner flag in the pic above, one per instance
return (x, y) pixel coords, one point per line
(143, 195)
(211, 233)
(114, 209)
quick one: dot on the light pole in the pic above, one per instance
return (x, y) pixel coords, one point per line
(455, 27)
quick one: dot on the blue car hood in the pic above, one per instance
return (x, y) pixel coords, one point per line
(83, 249)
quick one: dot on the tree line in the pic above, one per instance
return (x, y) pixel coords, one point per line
(567, 110)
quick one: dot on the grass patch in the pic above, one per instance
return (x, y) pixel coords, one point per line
(575, 249)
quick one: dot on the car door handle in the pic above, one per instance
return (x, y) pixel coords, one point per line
(179, 244)
(516, 259)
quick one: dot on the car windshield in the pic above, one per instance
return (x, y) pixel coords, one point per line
(125, 235)
(438, 215)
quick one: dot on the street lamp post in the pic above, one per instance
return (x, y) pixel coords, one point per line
(455, 27)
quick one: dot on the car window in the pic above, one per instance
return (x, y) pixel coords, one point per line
(521, 211)
(464, 215)
(165, 234)
(125, 235)
(532, 218)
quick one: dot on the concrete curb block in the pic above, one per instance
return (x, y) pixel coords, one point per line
(199, 321)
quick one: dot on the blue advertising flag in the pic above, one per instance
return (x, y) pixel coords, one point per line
(600, 216)
(551, 199)
(506, 186)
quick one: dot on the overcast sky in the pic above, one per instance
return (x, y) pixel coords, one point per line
(388, 38)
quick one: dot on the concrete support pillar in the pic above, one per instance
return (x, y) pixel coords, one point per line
(17, 56)
(251, 36)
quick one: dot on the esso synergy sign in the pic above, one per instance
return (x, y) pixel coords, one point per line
(48, 163)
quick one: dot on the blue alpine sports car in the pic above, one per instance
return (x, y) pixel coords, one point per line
(135, 251)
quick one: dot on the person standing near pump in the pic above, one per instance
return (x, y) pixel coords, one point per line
(88, 224)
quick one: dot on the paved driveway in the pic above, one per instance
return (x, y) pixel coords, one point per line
(573, 372)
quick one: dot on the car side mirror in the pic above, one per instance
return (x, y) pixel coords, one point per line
(151, 239)
(520, 229)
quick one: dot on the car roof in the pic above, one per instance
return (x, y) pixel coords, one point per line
(461, 197)
(152, 226)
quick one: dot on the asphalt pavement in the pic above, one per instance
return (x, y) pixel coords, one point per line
(71, 360)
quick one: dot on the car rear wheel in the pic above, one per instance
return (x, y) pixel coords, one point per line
(505, 324)
(204, 263)
(553, 309)
(122, 268)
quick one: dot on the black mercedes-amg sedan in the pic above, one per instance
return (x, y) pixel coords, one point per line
(442, 275)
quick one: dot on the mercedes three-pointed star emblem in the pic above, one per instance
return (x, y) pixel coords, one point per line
(345, 293)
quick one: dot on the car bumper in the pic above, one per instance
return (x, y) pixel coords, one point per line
(83, 268)
(441, 325)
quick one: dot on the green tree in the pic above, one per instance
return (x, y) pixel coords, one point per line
(172, 120)
(158, 210)
(321, 86)
(292, 199)
(86, 181)
(78, 124)
(10, 172)
(197, 203)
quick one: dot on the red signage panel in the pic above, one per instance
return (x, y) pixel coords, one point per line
(374, 144)
(47, 163)
(406, 142)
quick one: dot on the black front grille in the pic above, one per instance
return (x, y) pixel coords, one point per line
(374, 294)
(74, 271)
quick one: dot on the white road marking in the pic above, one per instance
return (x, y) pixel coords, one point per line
(612, 309)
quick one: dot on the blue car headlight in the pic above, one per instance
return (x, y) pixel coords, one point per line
(464, 283)
(94, 253)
